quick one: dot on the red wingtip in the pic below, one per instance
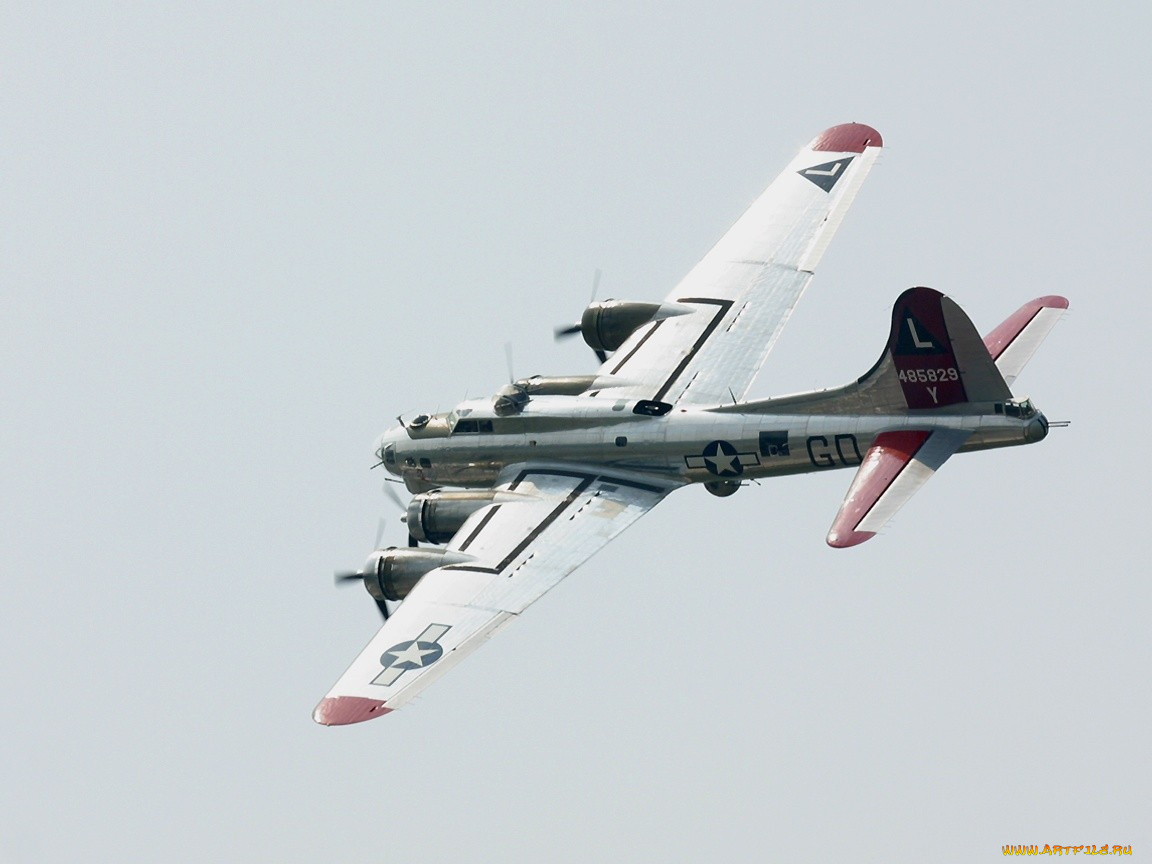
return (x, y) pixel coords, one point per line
(342, 710)
(852, 538)
(848, 138)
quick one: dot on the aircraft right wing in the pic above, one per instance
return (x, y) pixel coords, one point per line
(745, 288)
(516, 551)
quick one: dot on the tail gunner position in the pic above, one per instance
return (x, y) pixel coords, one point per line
(514, 492)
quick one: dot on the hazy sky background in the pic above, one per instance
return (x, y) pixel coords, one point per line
(238, 239)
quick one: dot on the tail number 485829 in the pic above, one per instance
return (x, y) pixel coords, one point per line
(929, 376)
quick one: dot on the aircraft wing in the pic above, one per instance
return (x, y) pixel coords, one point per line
(520, 549)
(745, 288)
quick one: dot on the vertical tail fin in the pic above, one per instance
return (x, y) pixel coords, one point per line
(938, 355)
(934, 358)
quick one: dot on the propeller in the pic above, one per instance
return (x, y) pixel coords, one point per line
(570, 330)
(566, 330)
(392, 496)
(343, 577)
(390, 493)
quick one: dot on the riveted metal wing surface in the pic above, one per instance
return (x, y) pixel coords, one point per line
(556, 518)
(743, 291)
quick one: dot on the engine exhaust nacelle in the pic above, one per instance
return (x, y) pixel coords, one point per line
(437, 515)
(559, 385)
(511, 398)
(607, 325)
(391, 573)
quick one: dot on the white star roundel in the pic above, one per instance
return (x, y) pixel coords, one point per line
(722, 459)
(416, 653)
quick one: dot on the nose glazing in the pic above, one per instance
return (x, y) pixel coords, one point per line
(386, 451)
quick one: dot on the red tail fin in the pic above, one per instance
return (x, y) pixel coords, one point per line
(939, 357)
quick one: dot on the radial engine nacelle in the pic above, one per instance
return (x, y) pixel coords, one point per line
(434, 517)
(391, 573)
(607, 325)
(511, 398)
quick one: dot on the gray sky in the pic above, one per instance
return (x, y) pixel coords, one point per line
(239, 239)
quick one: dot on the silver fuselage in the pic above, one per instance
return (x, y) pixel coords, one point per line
(688, 445)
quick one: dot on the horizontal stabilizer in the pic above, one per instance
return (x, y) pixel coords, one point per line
(895, 467)
(1013, 343)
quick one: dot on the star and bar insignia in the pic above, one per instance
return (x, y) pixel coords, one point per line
(416, 653)
(722, 459)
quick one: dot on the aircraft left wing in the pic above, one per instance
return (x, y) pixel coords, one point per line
(520, 548)
(743, 291)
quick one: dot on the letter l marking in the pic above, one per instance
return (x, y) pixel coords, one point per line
(916, 336)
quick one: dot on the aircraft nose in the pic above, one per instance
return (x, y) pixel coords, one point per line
(385, 449)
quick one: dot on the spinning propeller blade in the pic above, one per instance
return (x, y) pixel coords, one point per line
(342, 577)
(392, 496)
(566, 330)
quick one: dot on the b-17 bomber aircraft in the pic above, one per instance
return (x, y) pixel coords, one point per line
(514, 492)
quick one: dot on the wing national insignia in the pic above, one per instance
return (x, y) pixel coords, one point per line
(416, 653)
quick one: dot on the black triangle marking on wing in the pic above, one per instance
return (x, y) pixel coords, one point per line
(826, 175)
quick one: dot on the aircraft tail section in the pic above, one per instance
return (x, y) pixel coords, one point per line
(934, 358)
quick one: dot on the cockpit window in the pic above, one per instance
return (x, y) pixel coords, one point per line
(471, 427)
